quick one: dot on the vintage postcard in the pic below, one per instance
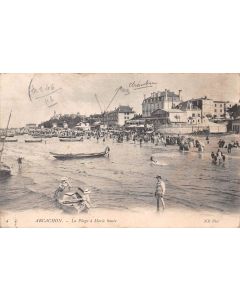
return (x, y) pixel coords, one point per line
(119, 150)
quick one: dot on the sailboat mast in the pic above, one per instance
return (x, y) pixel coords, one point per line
(5, 137)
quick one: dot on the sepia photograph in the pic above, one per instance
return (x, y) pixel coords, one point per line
(120, 150)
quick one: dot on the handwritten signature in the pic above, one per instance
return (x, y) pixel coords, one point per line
(43, 92)
(141, 85)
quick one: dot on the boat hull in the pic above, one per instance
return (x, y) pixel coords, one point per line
(5, 173)
(11, 141)
(77, 156)
(70, 140)
(33, 141)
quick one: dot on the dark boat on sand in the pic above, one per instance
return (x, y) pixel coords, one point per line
(11, 140)
(70, 139)
(67, 136)
(33, 141)
(80, 155)
(5, 170)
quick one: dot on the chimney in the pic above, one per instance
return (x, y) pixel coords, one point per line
(179, 94)
(166, 94)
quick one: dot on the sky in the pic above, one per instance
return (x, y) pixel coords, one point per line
(33, 98)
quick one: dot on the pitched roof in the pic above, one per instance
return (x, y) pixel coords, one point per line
(161, 94)
(124, 109)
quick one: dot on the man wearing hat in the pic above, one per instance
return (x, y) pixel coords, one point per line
(160, 191)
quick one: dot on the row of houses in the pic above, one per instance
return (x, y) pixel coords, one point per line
(165, 110)
(168, 100)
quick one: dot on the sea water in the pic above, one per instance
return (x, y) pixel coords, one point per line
(124, 181)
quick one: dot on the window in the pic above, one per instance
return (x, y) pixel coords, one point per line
(215, 110)
(199, 115)
(215, 105)
(193, 115)
(220, 105)
(220, 110)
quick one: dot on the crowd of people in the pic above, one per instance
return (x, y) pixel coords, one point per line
(229, 146)
(185, 143)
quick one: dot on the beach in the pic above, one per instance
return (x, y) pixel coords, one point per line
(125, 182)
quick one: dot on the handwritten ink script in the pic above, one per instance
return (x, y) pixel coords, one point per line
(137, 86)
(43, 92)
(141, 85)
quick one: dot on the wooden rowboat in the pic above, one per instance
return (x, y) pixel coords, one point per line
(5, 171)
(10, 141)
(66, 137)
(80, 155)
(33, 141)
(70, 139)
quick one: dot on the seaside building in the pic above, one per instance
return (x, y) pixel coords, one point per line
(201, 106)
(83, 126)
(136, 124)
(160, 100)
(118, 116)
(65, 125)
(189, 116)
(219, 109)
(172, 116)
(205, 108)
(236, 125)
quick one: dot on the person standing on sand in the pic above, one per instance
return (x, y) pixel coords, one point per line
(19, 160)
(160, 191)
(229, 148)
